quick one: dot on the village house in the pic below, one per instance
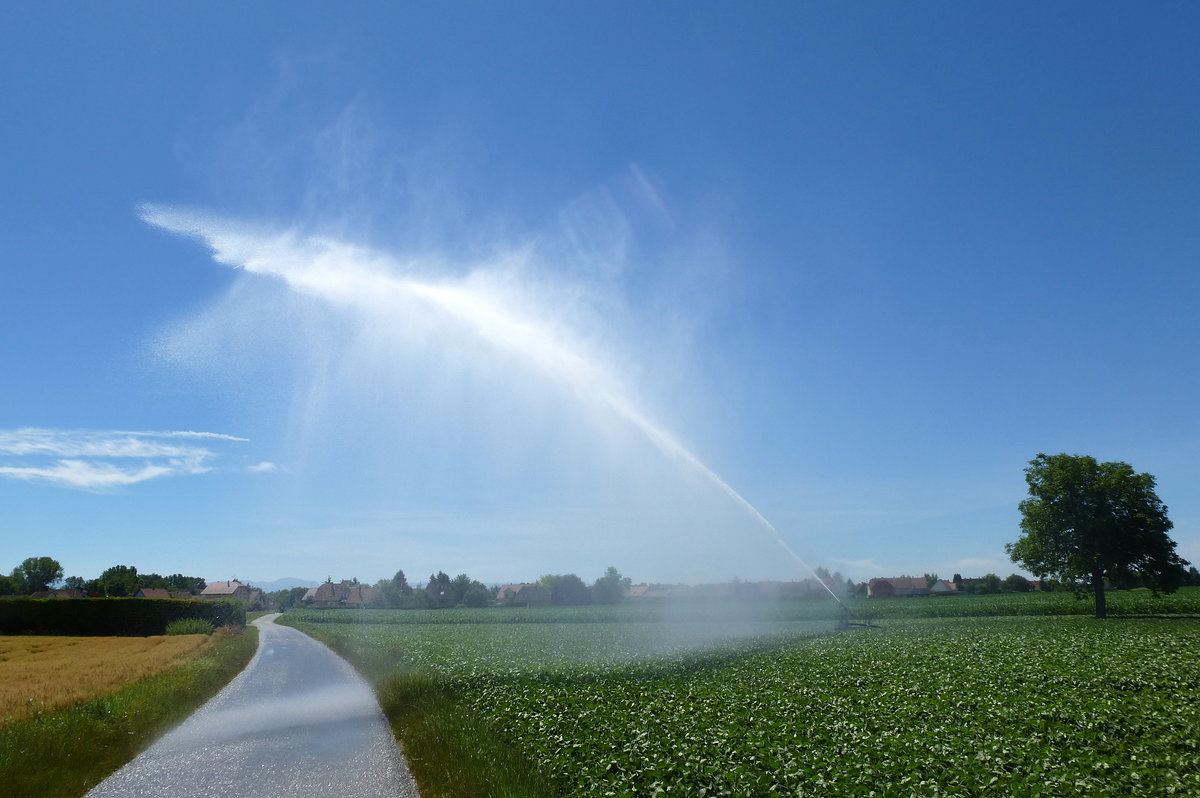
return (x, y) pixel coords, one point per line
(347, 593)
(231, 589)
(62, 592)
(900, 586)
(649, 593)
(523, 595)
(162, 592)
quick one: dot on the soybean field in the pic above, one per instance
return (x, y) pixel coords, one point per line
(632, 702)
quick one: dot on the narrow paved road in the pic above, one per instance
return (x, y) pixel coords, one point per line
(299, 721)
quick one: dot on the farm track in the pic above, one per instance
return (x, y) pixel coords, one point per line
(297, 721)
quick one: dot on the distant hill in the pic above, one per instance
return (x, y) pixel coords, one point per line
(285, 583)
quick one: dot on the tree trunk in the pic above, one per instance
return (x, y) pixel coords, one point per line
(1098, 589)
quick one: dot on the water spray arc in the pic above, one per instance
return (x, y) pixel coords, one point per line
(501, 329)
(364, 281)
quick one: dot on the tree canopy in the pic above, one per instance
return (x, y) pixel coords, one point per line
(566, 589)
(39, 573)
(610, 588)
(1093, 521)
(438, 590)
(1015, 583)
(120, 580)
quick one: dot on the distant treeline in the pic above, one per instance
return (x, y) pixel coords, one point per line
(561, 590)
(1015, 583)
(442, 591)
(39, 574)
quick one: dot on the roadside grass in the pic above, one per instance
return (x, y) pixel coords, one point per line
(451, 752)
(63, 752)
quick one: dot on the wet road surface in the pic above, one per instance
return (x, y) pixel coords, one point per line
(298, 721)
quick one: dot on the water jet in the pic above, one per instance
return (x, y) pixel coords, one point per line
(368, 282)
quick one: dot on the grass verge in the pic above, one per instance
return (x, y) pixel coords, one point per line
(65, 752)
(452, 752)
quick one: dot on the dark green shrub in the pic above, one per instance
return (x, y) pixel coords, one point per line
(189, 626)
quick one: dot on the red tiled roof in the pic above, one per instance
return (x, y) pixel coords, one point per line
(221, 588)
(909, 582)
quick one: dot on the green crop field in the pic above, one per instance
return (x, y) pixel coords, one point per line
(630, 701)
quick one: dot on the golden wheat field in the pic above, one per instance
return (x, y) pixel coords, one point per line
(43, 673)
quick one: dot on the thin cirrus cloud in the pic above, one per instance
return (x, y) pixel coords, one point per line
(975, 562)
(104, 459)
(868, 564)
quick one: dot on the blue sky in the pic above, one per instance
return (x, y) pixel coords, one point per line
(509, 289)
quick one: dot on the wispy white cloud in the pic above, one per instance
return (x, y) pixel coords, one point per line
(104, 459)
(82, 474)
(218, 436)
(976, 562)
(99, 443)
(866, 565)
(265, 467)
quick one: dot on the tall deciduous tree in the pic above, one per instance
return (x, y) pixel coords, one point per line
(438, 590)
(1015, 583)
(988, 583)
(40, 572)
(476, 595)
(393, 593)
(1086, 520)
(120, 580)
(458, 589)
(566, 589)
(178, 583)
(610, 588)
(12, 585)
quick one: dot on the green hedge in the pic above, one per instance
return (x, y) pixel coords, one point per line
(1128, 603)
(127, 617)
